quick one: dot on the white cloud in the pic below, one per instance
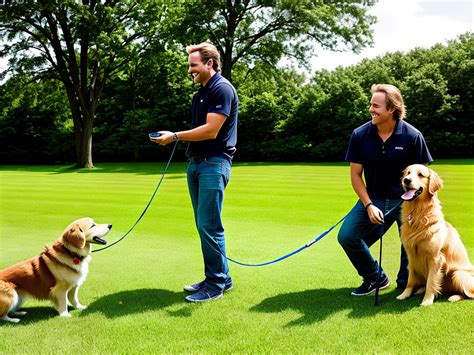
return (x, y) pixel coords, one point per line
(406, 24)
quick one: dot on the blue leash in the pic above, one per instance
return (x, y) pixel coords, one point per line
(319, 237)
(148, 204)
(307, 245)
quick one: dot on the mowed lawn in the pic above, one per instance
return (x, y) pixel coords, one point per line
(300, 305)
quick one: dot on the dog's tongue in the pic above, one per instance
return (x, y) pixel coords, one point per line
(407, 196)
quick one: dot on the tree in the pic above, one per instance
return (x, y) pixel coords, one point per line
(80, 43)
(35, 123)
(266, 30)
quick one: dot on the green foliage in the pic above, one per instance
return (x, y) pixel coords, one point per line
(35, 123)
(282, 116)
(253, 31)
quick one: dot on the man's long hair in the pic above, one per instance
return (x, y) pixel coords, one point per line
(393, 99)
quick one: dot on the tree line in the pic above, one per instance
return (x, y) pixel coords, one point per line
(283, 115)
(84, 44)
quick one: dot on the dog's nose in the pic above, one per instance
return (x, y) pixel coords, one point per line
(110, 226)
(407, 181)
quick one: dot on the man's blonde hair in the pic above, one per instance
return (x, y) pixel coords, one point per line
(207, 51)
(393, 99)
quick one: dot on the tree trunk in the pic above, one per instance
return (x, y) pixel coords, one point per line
(227, 64)
(83, 125)
(85, 150)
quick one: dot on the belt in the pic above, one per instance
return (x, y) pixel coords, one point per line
(199, 158)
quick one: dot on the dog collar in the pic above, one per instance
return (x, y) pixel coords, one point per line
(76, 258)
(410, 217)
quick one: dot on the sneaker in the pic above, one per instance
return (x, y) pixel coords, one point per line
(369, 287)
(196, 287)
(204, 295)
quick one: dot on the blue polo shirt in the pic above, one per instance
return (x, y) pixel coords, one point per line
(217, 96)
(384, 162)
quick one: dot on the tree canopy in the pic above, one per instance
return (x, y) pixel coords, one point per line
(80, 43)
(120, 78)
(253, 31)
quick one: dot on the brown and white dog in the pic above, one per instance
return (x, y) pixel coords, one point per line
(56, 274)
(438, 261)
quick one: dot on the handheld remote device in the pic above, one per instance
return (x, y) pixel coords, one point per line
(154, 135)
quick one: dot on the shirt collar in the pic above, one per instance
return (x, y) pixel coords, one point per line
(211, 81)
(397, 130)
(399, 127)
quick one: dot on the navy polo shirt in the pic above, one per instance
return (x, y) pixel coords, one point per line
(217, 96)
(384, 162)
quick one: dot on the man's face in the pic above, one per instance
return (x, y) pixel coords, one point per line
(378, 109)
(201, 72)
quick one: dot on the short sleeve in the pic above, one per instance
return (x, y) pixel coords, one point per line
(221, 100)
(353, 151)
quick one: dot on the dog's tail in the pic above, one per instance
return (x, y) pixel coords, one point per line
(8, 297)
(463, 280)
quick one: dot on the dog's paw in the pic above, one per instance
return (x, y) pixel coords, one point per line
(455, 298)
(404, 295)
(8, 319)
(80, 306)
(65, 314)
(427, 302)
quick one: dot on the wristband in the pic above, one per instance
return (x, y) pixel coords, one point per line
(175, 137)
(369, 204)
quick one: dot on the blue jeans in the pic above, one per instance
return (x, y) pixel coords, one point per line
(358, 234)
(207, 179)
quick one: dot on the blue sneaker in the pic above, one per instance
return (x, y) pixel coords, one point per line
(368, 287)
(196, 287)
(204, 295)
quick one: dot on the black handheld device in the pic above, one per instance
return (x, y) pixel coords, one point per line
(154, 135)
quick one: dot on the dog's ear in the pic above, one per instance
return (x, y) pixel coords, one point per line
(435, 182)
(74, 236)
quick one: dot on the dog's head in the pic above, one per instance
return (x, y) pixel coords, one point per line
(419, 180)
(84, 231)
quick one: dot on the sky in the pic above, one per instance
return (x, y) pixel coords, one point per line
(402, 25)
(406, 24)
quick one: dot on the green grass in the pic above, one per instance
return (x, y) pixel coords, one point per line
(301, 305)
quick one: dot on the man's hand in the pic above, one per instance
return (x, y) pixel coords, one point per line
(375, 214)
(165, 138)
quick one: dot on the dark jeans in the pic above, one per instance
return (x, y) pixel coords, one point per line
(207, 179)
(358, 234)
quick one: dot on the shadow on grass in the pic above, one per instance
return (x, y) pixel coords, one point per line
(33, 315)
(138, 301)
(116, 305)
(317, 305)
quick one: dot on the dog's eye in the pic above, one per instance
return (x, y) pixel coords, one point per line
(93, 225)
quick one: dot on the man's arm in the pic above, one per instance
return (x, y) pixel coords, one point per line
(209, 130)
(375, 214)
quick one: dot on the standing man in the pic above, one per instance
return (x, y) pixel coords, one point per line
(212, 139)
(380, 150)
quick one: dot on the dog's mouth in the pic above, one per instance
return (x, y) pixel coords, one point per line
(99, 240)
(411, 194)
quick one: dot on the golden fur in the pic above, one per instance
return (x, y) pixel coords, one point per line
(56, 274)
(438, 261)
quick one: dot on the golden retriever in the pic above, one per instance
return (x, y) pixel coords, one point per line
(56, 274)
(438, 261)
